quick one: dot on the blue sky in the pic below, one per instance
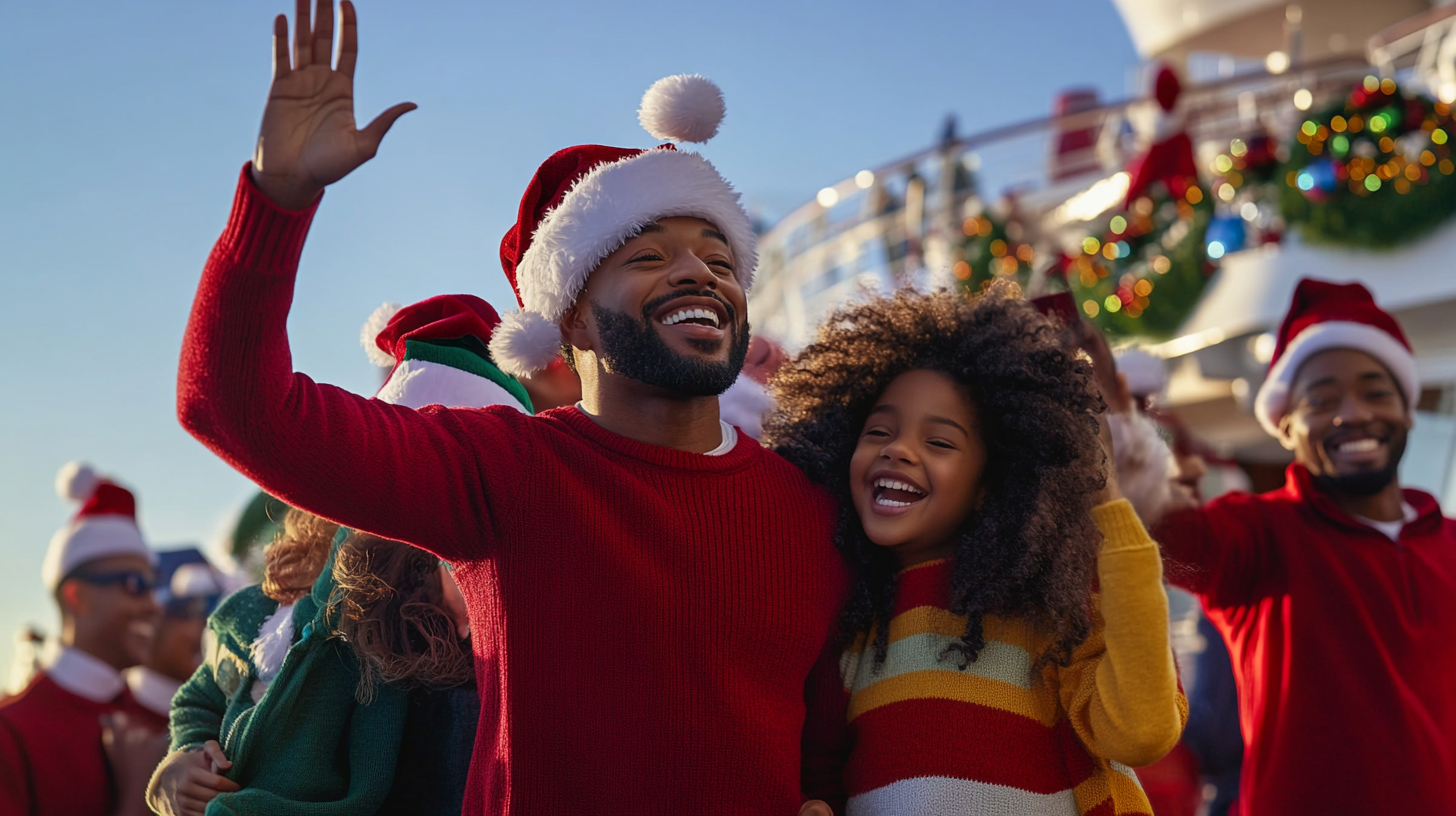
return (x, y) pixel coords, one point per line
(126, 124)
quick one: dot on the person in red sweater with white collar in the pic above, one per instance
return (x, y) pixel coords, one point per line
(1337, 593)
(69, 741)
(650, 592)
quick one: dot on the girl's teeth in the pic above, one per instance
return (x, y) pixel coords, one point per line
(895, 484)
(884, 502)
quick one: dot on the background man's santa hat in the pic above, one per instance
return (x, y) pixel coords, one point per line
(588, 200)
(104, 526)
(1328, 316)
(438, 351)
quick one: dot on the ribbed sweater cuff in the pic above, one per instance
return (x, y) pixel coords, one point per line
(262, 236)
(1121, 528)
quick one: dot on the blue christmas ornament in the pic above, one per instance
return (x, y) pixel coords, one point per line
(1225, 234)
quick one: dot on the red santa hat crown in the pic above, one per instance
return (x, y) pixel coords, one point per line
(438, 353)
(104, 526)
(1325, 316)
(586, 201)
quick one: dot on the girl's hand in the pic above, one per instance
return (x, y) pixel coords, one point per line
(815, 807)
(308, 139)
(185, 781)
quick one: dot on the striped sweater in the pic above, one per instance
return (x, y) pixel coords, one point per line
(931, 738)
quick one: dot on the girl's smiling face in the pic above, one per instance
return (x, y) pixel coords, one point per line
(916, 472)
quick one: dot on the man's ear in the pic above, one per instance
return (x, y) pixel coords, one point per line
(1286, 432)
(72, 598)
(576, 328)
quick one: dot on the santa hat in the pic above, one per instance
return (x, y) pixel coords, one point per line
(1327, 316)
(104, 526)
(586, 201)
(438, 351)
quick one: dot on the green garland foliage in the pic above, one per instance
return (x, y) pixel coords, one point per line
(1373, 171)
(1147, 271)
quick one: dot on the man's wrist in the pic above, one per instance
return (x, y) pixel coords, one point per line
(284, 192)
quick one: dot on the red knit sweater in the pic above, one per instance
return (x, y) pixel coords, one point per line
(645, 620)
(52, 762)
(1343, 645)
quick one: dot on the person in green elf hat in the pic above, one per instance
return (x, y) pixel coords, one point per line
(290, 712)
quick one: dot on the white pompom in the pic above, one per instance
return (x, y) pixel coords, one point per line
(524, 343)
(685, 107)
(372, 327)
(77, 480)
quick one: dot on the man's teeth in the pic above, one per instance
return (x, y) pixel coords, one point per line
(689, 314)
(895, 484)
(1359, 446)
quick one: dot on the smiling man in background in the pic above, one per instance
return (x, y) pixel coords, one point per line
(54, 760)
(1337, 593)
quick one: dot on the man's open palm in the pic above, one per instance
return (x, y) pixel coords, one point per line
(308, 139)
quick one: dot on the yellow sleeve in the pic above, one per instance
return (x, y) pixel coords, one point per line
(1121, 691)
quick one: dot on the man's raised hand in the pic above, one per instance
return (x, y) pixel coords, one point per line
(308, 139)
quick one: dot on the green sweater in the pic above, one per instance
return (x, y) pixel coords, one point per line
(308, 748)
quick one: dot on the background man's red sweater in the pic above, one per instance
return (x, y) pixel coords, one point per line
(1343, 645)
(52, 762)
(645, 620)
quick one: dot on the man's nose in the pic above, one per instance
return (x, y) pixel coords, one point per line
(689, 270)
(1353, 411)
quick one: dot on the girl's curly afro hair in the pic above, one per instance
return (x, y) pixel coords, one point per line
(1030, 550)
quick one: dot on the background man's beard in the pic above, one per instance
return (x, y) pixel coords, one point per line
(1367, 482)
(634, 349)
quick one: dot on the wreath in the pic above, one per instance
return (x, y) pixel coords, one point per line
(1375, 170)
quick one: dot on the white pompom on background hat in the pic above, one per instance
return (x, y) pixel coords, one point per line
(104, 526)
(586, 201)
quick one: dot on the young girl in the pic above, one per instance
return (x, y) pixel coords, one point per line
(403, 616)
(303, 705)
(985, 675)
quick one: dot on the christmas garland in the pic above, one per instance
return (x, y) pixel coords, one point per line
(1375, 170)
(1148, 270)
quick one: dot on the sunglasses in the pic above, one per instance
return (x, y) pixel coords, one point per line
(134, 583)
(189, 608)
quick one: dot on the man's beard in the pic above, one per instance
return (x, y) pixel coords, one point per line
(1366, 482)
(634, 349)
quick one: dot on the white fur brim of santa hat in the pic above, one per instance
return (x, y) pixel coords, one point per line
(417, 383)
(1273, 398)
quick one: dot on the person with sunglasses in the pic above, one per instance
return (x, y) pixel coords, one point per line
(71, 741)
(189, 588)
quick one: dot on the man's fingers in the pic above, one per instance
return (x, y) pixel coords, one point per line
(281, 66)
(374, 132)
(348, 39)
(323, 33)
(302, 35)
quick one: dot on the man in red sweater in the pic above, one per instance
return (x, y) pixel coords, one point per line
(69, 741)
(1337, 593)
(649, 591)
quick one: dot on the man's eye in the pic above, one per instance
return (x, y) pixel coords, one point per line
(646, 256)
(724, 264)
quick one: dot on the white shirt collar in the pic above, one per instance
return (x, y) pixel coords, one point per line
(730, 434)
(82, 674)
(152, 689)
(1391, 529)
